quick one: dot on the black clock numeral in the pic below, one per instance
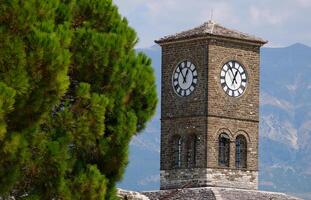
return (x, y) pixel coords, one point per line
(226, 67)
(225, 88)
(229, 92)
(236, 93)
(223, 85)
(192, 88)
(185, 64)
(192, 68)
(179, 90)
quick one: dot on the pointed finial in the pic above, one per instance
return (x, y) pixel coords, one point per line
(211, 20)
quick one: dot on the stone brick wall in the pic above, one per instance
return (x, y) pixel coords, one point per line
(243, 179)
(178, 178)
(207, 112)
(183, 116)
(233, 116)
(184, 127)
(194, 105)
(219, 103)
(201, 177)
(232, 128)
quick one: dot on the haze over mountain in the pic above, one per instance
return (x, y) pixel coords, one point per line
(285, 126)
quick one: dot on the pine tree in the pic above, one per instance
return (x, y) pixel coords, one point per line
(34, 61)
(67, 138)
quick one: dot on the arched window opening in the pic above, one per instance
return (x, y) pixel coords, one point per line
(192, 151)
(224, 150)
(177, 151)
(240, 152)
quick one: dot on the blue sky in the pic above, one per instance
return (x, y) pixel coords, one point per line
(282, 22)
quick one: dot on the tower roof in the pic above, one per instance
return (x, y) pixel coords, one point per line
(209, 29)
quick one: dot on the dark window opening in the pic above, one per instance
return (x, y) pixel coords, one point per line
(177, 151)
(192, 151)
(224, 150)
(240, 152)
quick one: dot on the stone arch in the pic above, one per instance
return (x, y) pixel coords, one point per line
(227, 131)
(244, 133)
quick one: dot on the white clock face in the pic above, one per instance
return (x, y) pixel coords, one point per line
(184, 78)
(233, 78)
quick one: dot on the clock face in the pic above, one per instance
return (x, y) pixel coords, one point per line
(233, 78)
(184, 78)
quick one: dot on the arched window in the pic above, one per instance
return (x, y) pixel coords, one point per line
(240, 152)
(192, 150)
(224, 150)
(177, 151)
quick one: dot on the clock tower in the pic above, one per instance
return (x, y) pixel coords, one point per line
(210, 108)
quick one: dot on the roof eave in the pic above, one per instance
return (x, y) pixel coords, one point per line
(209, 36)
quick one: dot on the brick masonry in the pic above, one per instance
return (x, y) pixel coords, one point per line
(207, 113)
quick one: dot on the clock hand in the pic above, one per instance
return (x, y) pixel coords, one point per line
(182, 75)
(234, 78)
(232, 74)
(236, 73)
(185, 78)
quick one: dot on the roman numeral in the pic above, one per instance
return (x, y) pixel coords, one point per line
(223, 85)
(185, 64)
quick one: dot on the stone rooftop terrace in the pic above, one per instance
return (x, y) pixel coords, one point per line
(216, 193)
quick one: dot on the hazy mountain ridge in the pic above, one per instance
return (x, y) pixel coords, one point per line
(285, 119)
(285, 126)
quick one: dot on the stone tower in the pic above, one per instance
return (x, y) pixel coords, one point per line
(209, 111)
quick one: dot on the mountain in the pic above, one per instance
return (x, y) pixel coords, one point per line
(285, 120)
(285, 126)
